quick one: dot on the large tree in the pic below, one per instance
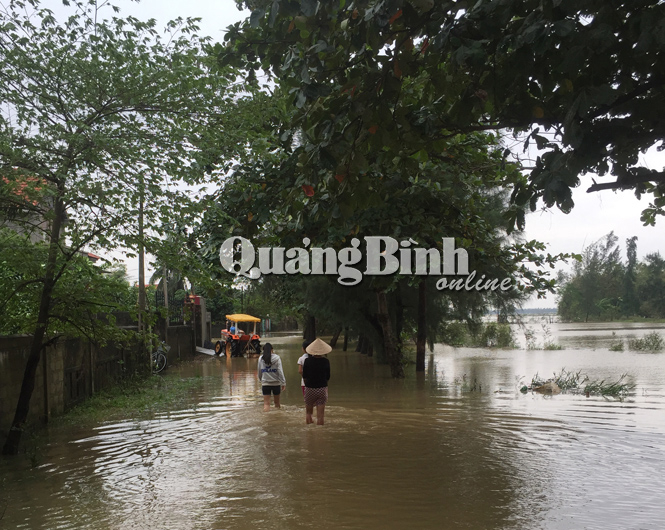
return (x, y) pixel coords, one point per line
(461, 195)
(376, 144)
(104, 119)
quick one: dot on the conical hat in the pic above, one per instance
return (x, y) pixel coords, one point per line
(318, 347)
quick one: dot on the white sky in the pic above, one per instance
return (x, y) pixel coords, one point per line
(594, 215)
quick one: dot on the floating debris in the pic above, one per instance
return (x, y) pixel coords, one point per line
(548, 388)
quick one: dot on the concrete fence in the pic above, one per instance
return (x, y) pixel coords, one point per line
(73, 370)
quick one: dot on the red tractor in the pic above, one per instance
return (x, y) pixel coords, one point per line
(236, 342)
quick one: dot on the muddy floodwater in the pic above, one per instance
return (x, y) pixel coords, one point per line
(458, 447)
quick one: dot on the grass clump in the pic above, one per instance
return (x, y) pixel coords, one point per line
(652, 342)
(616, 389)
(572, 382)
(135, 398)
(565, 380)
(568, 380)
(616, 344)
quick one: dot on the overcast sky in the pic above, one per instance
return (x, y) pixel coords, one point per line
(594, 215)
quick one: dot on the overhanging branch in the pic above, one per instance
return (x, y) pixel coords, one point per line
(629, 181)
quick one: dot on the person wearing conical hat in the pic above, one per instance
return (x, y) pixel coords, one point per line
(316, 373)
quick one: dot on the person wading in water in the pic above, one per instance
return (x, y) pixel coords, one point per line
(316, 373)
(301, 361)
(271, 375)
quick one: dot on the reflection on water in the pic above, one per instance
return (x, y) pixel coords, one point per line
(456, 447)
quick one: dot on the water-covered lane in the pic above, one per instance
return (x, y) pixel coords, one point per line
(457, 447)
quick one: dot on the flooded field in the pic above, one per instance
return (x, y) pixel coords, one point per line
(458, 447)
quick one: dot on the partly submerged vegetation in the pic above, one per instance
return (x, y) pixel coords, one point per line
(652, 342)
(548, 341)
(617, 344)
(577, 383)
(486, 335)
(135, 399)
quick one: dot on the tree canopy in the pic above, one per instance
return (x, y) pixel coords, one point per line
(363, 151)
(581, 80)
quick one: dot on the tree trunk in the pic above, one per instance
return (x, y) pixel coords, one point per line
(421, 336)
(309, 333)
(11, 446)
(393, 353)
(333, 341)
(399, 317)
(346, 338)
(361, 342)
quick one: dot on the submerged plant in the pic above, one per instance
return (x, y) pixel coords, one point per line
(530, 336)
(616, 344)
(537, 381)
(653, 342)
(568, 380)
(489, 335)
(617, 388)
(548, 343)
(571, 382)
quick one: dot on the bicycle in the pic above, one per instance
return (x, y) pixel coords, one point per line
(159, 358)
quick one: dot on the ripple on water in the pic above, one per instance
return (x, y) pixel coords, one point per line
(413, 454)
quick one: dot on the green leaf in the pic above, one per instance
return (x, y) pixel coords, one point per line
(308, 7)
(255, 17)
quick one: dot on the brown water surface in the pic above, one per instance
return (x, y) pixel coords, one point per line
(458, 447)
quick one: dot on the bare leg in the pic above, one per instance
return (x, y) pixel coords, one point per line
(320, 410)
(308, 414)
(277, 401)
(266, 403)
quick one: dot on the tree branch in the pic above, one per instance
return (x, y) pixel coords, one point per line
(629, 181)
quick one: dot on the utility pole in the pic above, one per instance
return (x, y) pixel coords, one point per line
(142, 297)
(166, 305)
(141, 300)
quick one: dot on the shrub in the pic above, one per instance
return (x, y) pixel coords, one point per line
(530, 337)
(455, 334)
(495, 335)
(650, 342)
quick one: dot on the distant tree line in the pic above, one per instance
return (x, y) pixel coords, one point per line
(603, 287)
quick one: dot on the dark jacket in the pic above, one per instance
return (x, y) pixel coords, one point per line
(316, 371)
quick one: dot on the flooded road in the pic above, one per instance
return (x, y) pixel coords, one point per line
(458, 447)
